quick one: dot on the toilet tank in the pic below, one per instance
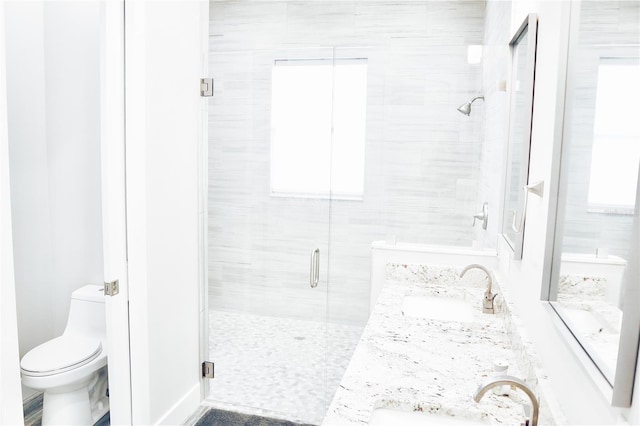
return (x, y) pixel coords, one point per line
(87, 313)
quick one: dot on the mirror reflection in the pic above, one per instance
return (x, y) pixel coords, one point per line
(599, 175)
(521, 88)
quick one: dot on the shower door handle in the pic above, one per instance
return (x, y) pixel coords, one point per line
(314, 272)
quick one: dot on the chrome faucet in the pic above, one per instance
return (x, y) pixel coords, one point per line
(510, 381)
(482, 216)
(487, 302)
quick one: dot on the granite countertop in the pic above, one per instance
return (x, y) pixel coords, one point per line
(419, 364)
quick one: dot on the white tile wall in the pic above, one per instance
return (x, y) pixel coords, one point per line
(423, 158)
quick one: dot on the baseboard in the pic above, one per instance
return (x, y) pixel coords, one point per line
(183, 409)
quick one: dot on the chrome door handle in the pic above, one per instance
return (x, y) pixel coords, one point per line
(314, 272)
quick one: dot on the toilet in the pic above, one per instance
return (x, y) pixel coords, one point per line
(71, 369)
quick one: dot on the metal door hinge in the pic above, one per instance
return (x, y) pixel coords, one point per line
(207, 370)
(111, 288)
(206, 87)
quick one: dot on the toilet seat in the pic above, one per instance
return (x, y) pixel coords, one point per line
(61, 354)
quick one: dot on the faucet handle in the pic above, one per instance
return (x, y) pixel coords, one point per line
(483, 215)
(487, 303)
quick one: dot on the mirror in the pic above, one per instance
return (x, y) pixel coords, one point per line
(523, 58)
(593, 269)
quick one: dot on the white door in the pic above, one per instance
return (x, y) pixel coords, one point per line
(165, 47)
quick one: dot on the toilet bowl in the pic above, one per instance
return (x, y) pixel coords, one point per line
(71, 369)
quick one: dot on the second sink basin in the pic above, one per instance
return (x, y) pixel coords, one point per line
(438, 308)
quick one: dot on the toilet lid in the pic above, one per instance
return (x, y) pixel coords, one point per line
(60, 354)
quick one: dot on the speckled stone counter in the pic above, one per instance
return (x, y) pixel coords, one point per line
(420, 364)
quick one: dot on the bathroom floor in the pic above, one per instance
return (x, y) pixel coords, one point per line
(280, 367)
(214, 417)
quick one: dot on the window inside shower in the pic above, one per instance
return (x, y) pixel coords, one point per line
(318, 120)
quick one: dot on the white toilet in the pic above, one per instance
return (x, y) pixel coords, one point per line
(71, 369)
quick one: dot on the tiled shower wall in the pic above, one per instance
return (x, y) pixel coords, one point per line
(422, 157)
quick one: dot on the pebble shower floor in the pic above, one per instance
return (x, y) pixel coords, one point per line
(278, 366)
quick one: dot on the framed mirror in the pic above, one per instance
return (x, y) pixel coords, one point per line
(521, 89)
(594, 278)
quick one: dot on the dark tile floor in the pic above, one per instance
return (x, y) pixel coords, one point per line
(214, 417)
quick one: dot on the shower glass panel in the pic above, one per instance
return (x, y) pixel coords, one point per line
(331, 148)
(269, 195)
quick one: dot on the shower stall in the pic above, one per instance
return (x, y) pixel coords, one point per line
(332, 125)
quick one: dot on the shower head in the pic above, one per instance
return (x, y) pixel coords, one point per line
(465, 108)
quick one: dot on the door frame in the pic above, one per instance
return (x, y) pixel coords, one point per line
(203, 207)
(10, 383)
(114, 227)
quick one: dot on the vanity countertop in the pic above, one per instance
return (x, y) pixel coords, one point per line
(419, 364)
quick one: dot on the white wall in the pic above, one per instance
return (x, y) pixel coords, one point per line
(165, 47)
(26, 99)
(578, 394)
(54, 149)
(72, 87)
(10, 393)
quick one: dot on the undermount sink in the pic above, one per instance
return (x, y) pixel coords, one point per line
(390, 416)
(438, 308)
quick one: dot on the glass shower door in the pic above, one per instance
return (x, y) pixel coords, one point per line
(269, 201)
